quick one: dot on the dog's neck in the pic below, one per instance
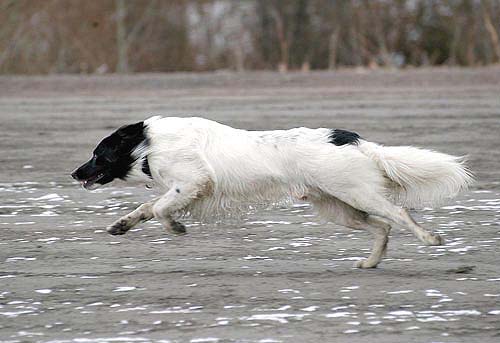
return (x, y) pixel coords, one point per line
(140, 169)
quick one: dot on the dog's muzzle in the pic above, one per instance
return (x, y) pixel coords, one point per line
(88, 183)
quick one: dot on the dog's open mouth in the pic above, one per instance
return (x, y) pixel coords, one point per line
(90, 183)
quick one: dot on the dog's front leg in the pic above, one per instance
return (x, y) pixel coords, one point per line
(141, 214)
(177, 198)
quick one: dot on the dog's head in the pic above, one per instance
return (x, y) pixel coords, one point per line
(113, 157)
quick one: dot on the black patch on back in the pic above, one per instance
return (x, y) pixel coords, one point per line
(145, 167)
(343, 137)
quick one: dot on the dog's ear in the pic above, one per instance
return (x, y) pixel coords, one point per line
(131, 131)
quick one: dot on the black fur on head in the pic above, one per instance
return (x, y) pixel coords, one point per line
(343, 137)
(113, 157)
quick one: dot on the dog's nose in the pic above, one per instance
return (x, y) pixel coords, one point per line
(73, 175)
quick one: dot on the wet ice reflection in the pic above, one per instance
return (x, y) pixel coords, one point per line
(308, 250)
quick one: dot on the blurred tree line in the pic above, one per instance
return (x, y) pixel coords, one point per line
(79, 36)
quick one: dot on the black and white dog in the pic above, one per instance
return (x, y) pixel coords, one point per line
(201, 166)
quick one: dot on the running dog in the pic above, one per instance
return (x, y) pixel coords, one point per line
(206, 168)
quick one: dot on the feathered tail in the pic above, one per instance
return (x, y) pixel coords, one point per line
(420, 177)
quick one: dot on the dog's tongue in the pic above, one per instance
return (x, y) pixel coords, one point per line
(89, 185)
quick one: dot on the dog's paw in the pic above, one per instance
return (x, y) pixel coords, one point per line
(119, 228)
(177, 228)
(435, 239)
(365, 264)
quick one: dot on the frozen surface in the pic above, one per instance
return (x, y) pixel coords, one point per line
(279, 274)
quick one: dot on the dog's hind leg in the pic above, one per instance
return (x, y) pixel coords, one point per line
(343, 214)
(380, 229)
(141, 214)
(177, 198)
(377, 205)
